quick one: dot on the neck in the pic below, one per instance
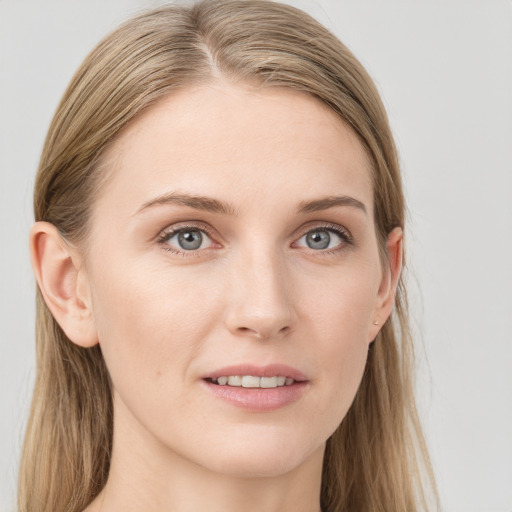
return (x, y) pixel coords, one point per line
(144, 475)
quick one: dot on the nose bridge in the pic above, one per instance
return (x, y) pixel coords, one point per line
(261, 300)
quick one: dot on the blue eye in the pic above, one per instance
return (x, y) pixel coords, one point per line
(186, 239)
(320, 239)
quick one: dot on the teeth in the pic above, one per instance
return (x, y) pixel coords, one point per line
(250, 381)
(268, 382)
(235, 380)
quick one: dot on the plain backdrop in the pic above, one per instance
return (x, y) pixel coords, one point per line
(444, 68)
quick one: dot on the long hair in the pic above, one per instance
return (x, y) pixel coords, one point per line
(376, 460)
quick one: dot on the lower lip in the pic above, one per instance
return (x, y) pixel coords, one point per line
(258, 399)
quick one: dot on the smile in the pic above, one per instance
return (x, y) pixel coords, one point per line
(257, 388)
(251, 381)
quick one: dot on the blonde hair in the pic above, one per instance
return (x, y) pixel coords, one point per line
(376, 460)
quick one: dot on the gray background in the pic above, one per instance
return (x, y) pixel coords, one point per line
(444, 68)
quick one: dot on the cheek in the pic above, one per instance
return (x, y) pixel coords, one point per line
(341, 305)
(151, 327)
(340, 317)
(149, 322)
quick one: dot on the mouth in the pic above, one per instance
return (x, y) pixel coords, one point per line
(257, 389)
(252, 381)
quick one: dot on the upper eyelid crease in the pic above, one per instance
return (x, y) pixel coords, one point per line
(171, 231)
(167, 234)
(343, 233)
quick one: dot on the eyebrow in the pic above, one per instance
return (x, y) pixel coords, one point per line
(330, 202)
(209, 204)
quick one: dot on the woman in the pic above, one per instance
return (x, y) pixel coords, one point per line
(218, 248)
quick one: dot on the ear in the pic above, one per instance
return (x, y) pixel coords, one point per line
(389, 282)
(63, 283)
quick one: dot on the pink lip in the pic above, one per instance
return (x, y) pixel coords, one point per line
(270, 370)
(258, 399)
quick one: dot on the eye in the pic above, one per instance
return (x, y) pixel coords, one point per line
(186, 239)
(323, 238)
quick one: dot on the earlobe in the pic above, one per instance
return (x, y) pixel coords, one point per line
(390, 276)
(61, 279)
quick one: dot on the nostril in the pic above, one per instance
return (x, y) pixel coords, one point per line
(263, 333)
(247, 331)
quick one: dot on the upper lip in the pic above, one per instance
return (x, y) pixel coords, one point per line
(270, 370)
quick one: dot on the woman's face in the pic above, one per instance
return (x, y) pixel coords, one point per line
(234, 241)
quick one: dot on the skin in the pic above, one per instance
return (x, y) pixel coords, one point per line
(254, 292)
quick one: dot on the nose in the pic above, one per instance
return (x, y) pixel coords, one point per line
(260, 299)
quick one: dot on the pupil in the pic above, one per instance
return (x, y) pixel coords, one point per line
(318, 240)
(190, 240)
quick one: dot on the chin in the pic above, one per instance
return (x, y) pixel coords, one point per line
(271, 467)
(263, 458)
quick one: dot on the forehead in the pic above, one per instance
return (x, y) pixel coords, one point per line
(239, 143)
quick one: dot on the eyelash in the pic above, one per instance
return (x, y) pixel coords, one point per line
(169, 233)
(164, 237)
(343, 233)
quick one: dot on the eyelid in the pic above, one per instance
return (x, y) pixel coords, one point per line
(174, 229)
(340, 231)
(168, 232)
